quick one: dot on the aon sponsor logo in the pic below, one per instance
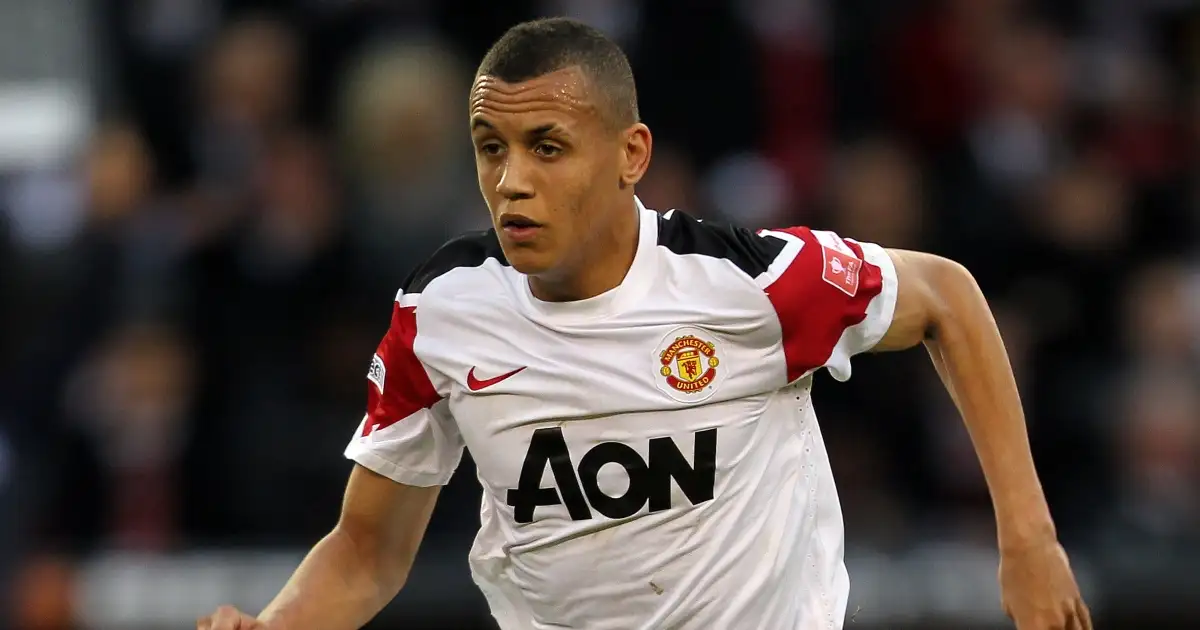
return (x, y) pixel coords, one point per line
(578, 487)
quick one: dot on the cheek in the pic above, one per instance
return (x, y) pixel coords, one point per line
(486, 174)
(485, 170)
(572, 197)
(595, 191)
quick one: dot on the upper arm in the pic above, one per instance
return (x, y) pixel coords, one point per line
(925, 283)
(386, 519)
(834, 297)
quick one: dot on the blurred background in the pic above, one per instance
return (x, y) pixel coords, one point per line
(206, 208)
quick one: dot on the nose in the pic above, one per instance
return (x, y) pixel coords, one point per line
(515, 182)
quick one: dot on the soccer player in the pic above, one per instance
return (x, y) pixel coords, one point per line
(634, 388)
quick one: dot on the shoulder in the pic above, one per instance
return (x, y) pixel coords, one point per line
(791, 259)
(751, 252)
(470, 250)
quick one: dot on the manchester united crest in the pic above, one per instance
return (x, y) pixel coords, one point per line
(688, 365)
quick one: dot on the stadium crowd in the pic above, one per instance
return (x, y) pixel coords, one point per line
(188, 309)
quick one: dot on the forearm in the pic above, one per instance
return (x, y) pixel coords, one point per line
(339, 585)
(967, 351)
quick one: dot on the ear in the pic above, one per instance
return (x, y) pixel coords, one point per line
(636, 153)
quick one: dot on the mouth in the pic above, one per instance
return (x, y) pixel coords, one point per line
(519, 226)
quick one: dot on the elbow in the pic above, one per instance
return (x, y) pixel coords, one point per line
(955, 297)
(952, 279)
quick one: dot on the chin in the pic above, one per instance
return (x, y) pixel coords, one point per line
(529, 262)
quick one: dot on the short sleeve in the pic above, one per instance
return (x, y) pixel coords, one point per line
(407, 433)
(834, 298)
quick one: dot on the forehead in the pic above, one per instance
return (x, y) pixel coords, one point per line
(562, 94)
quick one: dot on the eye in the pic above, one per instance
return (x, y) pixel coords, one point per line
(491, 149)
(547, 150)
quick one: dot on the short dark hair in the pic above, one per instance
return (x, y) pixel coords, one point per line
(532, 49)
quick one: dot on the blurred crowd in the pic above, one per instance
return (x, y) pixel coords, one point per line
(187, 310)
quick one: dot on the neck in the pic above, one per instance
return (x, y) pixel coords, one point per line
(600, 267)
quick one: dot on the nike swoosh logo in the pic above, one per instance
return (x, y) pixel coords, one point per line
(475, 384)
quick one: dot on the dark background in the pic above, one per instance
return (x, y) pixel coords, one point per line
(193, 281)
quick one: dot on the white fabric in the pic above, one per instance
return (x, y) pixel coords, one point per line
(764, 553)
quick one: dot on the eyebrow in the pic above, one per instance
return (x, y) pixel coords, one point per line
(537, 132)
(542, 130)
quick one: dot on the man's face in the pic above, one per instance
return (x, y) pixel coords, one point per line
(548, 165)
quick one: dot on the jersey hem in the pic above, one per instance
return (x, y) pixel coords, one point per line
(888, 291)
(378, 464)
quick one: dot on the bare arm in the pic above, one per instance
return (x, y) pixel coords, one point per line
(352, 573)
(939, 304)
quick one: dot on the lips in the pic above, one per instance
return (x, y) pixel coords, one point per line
(517, 221)
(518, 228)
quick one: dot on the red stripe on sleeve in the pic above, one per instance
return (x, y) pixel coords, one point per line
(406, 385)
(813, 312)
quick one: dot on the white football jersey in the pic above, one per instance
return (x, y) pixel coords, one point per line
(649, 456)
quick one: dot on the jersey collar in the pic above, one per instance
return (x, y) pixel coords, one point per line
(615, 300)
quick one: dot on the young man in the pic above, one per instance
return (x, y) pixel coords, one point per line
(634, 389)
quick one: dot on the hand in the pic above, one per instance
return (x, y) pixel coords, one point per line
(1038, 589)
(229, 618)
